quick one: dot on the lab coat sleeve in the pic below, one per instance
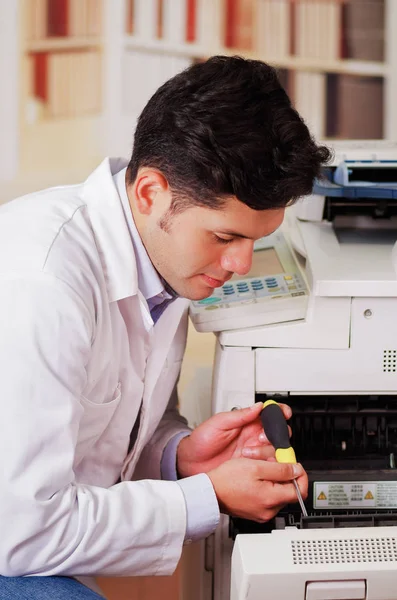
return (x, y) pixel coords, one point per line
(51, 525)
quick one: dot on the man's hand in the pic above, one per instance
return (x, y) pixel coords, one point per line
(256, 489)
(225, 436)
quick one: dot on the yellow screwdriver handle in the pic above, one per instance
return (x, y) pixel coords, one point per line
(276, 430)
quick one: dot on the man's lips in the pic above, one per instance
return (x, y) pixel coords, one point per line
(213, 282)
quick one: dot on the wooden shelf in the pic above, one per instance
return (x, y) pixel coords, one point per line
(63, 43)
(158, 45)
(345, 66)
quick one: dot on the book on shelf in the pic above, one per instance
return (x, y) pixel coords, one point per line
(355, 107)
(65, 84)
(143, 74)
(84, 18)
(272, 29)
(364, 29)
(62, 18)
(308, 91)
(239, 24)
(36, 18)
(169, 20)
(174, 21)
(191, 20)
(129, 17)
(58, 18)
(317, 28)
(147, 19)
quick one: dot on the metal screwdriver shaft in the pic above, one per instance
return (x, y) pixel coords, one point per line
(298, 493)
(276, 430)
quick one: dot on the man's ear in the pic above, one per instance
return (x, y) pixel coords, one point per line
(149, 189)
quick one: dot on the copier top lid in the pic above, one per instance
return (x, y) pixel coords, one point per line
(362, 150)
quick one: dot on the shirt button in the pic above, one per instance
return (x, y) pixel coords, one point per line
(188, 541)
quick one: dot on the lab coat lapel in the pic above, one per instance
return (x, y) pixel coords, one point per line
(163, 336)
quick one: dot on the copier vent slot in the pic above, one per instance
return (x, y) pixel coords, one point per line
(366, 550)
(389, 361)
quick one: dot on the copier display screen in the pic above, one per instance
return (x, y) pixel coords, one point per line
(264, 261)
(272, 292)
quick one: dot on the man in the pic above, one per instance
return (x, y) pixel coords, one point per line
(100, 474)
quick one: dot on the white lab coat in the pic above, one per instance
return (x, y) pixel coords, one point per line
(78, 354)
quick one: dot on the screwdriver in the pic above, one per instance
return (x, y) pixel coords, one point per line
(276, 430)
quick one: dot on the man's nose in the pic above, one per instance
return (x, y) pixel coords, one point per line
(239, 259)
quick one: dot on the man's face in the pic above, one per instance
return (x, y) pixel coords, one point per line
(201, 248)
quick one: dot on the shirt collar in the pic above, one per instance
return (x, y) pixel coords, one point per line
(149, 281)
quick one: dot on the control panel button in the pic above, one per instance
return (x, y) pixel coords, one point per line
(210, 300)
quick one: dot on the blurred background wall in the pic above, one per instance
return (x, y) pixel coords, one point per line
(75, 75)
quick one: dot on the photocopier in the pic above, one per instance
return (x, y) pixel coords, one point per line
(314, 325)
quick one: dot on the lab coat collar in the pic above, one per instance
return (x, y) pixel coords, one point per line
(149, 281)
(111, 231)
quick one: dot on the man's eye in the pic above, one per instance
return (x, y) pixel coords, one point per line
(222, 240)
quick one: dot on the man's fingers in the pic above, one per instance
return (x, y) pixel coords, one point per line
(284, 493)
(237, 418)
(278, 472)
(258, 452)
(303, 484)
(243, 416)
(287, 412)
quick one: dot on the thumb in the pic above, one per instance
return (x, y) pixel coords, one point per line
(238, 418)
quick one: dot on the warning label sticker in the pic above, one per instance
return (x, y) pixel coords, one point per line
(355, 494)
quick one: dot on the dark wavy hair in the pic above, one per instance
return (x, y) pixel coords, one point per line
(226, 127)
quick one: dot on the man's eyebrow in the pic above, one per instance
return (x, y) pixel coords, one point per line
(241, 235)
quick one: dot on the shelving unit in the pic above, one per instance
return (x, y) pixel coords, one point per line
(61, 118)
(63, 43)
(318, 45)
